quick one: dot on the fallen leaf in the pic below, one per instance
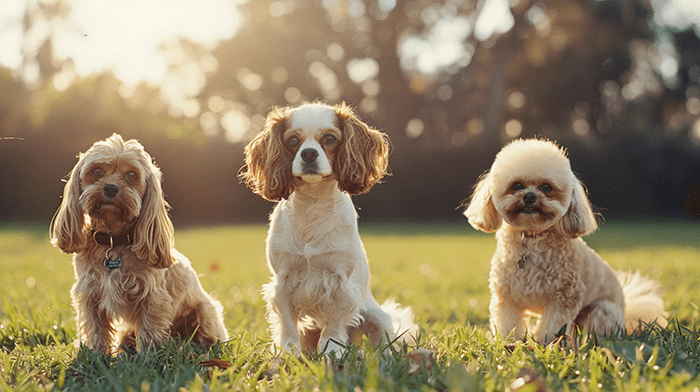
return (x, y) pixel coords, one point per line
(528, 376)
(221, 364)
(420, 356)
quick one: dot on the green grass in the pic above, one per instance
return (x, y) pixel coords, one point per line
(440, 270)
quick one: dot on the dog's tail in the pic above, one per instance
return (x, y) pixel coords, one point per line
(402, 322)
(643, 302)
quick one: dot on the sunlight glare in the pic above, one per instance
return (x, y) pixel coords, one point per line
(360, 70)
(442, 46)
(494, 18)
(124, 35)
(513, 128)
(236, 124)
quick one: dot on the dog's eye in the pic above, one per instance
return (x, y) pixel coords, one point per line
(329, 140)
(293, 141)
(546, 188)
(517, 186)
(131, 177)
(98, 172)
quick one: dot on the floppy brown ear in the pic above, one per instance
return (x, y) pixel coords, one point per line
(363, 156)
(267, 170)
(68, 225)
(154, 233)
(481, 213)
(579, 220)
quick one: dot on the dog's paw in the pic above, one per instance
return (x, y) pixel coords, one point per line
(332, 346)
(288, 346)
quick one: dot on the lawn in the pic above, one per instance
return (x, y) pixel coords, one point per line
(440, 270)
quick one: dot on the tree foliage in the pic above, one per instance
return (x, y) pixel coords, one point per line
(588, 73)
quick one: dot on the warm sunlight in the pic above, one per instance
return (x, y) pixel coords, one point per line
(119, 35)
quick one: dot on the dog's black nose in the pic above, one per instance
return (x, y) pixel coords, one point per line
(309, 155)
(529, 198)
(110, 190)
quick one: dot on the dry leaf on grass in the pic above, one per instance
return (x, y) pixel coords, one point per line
(420, 356)
(221, 364)
(528, 376)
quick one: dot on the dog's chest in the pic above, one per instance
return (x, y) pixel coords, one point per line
(314, 229)
(120, 289)
(538, 280)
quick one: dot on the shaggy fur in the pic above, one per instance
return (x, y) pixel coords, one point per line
(541, 210)
(311, 159)
(115, 189)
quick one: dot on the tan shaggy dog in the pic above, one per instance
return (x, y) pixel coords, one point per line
(130, 281)
(541, 264)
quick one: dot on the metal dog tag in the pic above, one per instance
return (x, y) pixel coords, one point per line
(521, 262)
(523, 251)
(112, 263)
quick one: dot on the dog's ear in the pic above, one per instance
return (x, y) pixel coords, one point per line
(267, 169)
(580, 219)
(154, 233)
(481, 213)
(68, 224)
(363, 156)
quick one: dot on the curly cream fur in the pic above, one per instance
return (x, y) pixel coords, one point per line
(155, 294)
(540, 209)
(319, 296)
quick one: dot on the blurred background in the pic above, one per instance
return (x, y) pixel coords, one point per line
(615, 81)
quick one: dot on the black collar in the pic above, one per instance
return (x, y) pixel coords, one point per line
(111, 240)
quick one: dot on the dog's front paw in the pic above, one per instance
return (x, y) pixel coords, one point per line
(146, 339)
(332, 346)
(289, 345)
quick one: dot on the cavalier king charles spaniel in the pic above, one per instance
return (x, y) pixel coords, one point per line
(540, 210)
(130, 281)
(310, 159)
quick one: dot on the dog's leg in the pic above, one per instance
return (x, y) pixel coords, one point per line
(506, 317)
(281, 315)
(95, 329)
(553, 318)
(603, 318)
(152, 318)
(333, 336)
(211, 327)
(376, 324)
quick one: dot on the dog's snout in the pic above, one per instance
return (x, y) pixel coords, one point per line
(529, 198)
(309, 155)
(110, 190)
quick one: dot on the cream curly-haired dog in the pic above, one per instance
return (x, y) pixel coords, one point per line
(129, 278)
(311, 159)
(541, 264)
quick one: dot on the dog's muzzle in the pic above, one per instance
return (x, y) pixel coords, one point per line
(529, 200)
(309, 155)
(110, 190)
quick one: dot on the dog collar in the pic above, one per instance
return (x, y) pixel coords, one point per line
(111, 240)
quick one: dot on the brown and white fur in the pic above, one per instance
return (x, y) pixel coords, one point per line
(541, 210)
(115, 189)
(311, 159)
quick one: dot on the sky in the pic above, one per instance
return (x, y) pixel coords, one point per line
(123, 35)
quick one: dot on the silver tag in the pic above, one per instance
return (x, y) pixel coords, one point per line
(112, 263)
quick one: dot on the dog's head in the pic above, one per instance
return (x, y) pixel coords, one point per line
(312, 143)
(115, 186)
(531, 187)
